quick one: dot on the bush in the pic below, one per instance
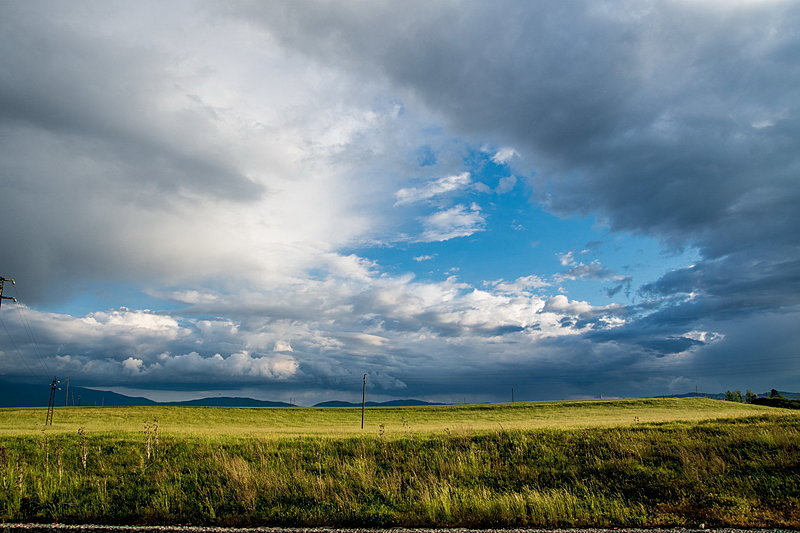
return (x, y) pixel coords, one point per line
(780, 401)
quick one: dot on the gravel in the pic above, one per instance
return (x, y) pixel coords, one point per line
(64, 528)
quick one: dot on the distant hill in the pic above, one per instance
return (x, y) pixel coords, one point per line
(27, 395)
(712, 395)
(721, 395)
(225, 401)
(390, 403)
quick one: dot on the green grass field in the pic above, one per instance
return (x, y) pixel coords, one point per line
(396, 421)
(638, 463)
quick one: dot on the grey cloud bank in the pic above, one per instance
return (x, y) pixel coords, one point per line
(223, 155)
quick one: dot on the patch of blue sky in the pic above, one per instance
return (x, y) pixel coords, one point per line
(519, 238)
(105, 296)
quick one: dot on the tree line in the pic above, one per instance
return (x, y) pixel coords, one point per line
(775, 399)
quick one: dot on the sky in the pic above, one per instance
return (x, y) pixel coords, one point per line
(456, 198)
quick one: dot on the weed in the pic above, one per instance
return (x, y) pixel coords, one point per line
(60, 463)
(151, 438)
(84, 446)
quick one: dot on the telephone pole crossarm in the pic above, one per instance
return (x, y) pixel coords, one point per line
(2, 283)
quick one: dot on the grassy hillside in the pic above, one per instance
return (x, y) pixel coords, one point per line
(683, 463)
(396, 421)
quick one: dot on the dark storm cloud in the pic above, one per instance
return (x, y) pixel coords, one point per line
(69, 83)
(91, 155)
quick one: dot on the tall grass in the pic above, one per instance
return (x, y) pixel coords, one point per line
(738, 472)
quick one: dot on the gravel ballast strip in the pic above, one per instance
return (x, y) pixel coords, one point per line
(67, 528)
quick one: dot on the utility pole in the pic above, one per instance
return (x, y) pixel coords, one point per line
(52, 403)
(66, 394)
(2, 282)
(363, 399)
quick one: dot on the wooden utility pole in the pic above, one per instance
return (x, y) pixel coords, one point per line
(66, 394)
(2, 282)
(52, 403)
(363, 399)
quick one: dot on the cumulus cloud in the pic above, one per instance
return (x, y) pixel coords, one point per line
(432, 189)
(504, 155)
(523, 284)
(458, 221)
(506, 185)
(594, 270)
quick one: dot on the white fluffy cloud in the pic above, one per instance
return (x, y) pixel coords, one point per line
(433, 189)
(504, 155)
(458, 221)
(394, 327)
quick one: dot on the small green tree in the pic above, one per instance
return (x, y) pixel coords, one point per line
(775, 394)
(750, 396)
(733, 396)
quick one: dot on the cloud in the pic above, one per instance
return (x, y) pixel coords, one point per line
(652, 131)
(504, 155)
(593, 270)
(282, 346)
(432, 189)
(506, 185)
(523, 284)
(229, 157)
(176, 144)
(132, 366)
(393, 326)
(458, 221)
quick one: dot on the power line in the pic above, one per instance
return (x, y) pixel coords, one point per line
(25, 323)
(21, 357)
(27, 327)
(22, 361)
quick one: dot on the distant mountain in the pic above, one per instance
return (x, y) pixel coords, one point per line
(27, 395)
(789, 395)
(224, 401)
(390, 403)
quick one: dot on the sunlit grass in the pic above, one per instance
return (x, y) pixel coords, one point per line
(396, 421)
